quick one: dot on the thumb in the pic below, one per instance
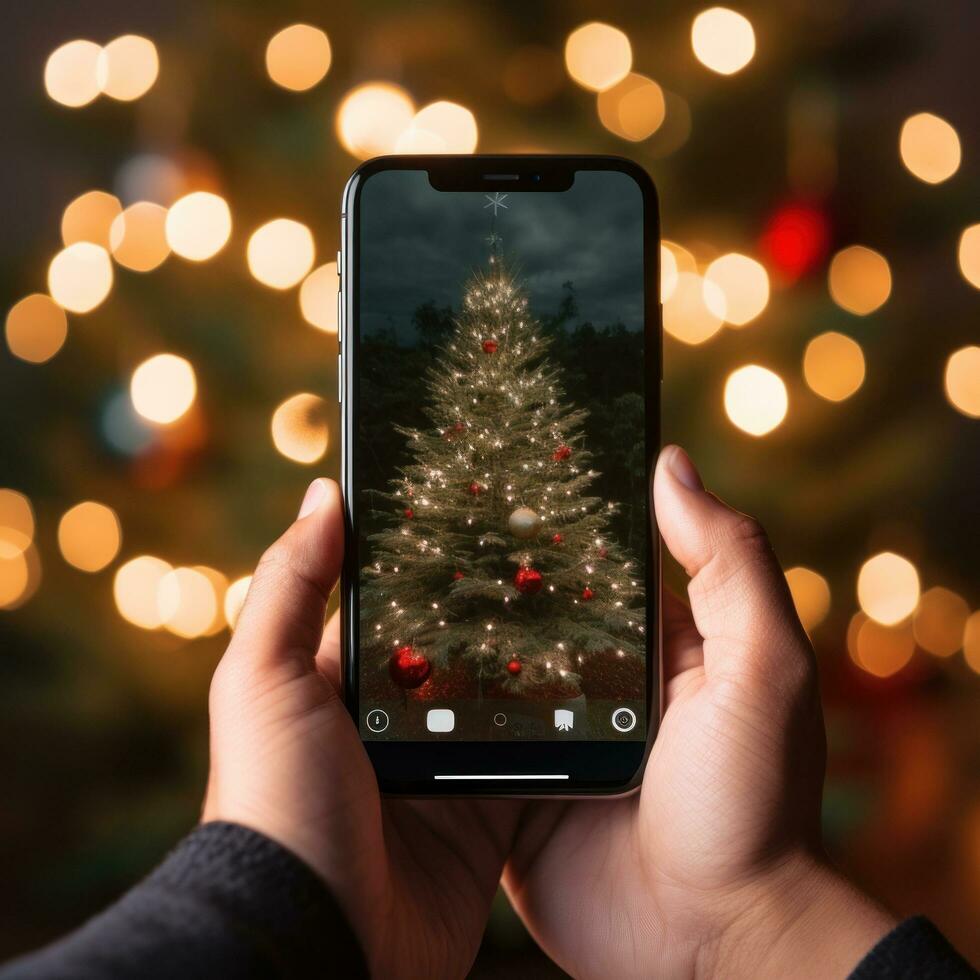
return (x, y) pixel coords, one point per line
(283, 615)
(739, 598)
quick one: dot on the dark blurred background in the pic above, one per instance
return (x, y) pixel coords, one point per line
(817, 164)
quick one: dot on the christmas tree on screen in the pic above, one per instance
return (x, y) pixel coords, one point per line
(497, 561)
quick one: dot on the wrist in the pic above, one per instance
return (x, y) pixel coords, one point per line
(800, 918)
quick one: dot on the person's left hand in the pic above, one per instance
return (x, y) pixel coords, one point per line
(415, 878)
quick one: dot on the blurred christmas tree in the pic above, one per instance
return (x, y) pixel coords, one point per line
(499, 563)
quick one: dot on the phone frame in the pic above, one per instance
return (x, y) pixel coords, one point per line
(407, 768)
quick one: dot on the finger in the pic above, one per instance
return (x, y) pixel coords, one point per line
(282, 618)
(738, 592)
(682, 641)
(328, 656)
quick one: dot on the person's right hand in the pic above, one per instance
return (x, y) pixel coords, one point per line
(715, 867)
(414, 877)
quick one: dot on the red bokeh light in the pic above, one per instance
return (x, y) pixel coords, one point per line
(796, 238)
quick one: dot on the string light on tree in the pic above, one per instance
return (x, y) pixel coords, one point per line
(833, 366)
(235, 599)
(496, 484)
(318, 298)
(441, 127)
(71, 73)
(860, 280)
(744, 283)
(89, 217)
(811, 596)
(968, 255)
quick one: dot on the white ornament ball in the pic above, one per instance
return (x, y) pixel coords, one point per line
(524, 523)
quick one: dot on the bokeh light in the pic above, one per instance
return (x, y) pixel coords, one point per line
(298, 57)
(71, 73)
(198, 225)
(795, 239)
(235, 598)
(135, 589)
(962, 381)
(89, 217)
(80, 277)
(878, 649)
(694, 310)
(163, 388)
(859, 279)
(318, 297)
(89, 536)
(281, 253)
(929, 147)
(833, 366)
(744, 283)
(723, 40)
(138, 237)
(939, 621)
(36, 328)
(16, 522)
(811, 596)
(372, 118)
(299, 428)
(968, 255)
(186, 602)
(219, 582)
(633, 109)
(127, 67)
(668, 273)
(598, 55)
(971, 641)
(442, 127)
(888, 588)
(756, 399)
(20, 574)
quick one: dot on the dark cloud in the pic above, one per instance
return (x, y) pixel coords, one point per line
(419, 244)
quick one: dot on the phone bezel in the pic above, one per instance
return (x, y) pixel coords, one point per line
(407, 768)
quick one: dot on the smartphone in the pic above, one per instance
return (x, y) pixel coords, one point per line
(499, 380)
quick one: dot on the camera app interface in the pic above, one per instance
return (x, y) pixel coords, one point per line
(499, 461)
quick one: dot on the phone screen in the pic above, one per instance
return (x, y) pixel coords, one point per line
(499, 461)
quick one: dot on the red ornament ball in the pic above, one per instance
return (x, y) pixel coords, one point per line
(528, 581)
(556, 539)
(457, 575)
(562, 452)
(603, 552)
(408, 668)
(514, 667)
(586, 594)
(459, 427)
(490, 346)
(409, 513)
(475, 489)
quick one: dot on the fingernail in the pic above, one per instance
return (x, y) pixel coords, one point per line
(315, 493)
(680, 465)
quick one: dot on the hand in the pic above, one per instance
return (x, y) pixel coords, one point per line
(414, 878)
(715, 867)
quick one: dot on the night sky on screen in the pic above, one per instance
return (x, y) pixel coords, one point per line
(420, 244)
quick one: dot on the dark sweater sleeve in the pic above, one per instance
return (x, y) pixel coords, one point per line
(227, 902)
(914, 950)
